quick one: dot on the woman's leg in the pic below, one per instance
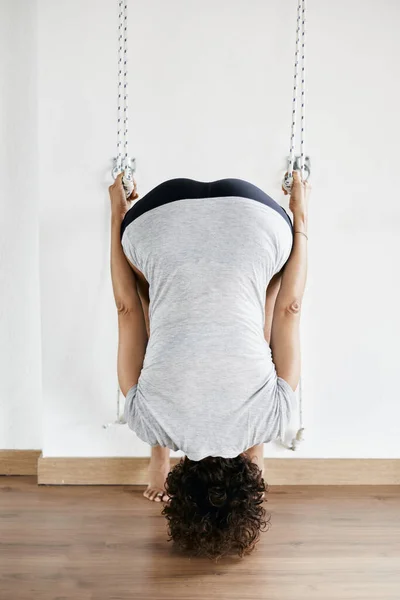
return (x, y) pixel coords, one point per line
(159, 466)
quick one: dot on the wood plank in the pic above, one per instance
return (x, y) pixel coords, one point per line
(109, 543)
(281, 471)
(19, 462)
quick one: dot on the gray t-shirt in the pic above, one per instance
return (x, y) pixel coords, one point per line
(208, 385)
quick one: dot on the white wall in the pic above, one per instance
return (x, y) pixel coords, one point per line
(210, 96)
(20, 346)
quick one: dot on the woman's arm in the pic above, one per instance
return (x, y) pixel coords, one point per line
(285, 332)
(270, 299)
(132, 334)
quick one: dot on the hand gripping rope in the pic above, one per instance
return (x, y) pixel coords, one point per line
(123, 162)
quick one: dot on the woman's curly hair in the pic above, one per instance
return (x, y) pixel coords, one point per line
(216, 505)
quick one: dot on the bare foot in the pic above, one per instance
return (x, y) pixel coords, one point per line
(159, 468)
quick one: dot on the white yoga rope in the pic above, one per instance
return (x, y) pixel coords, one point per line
(120, 84)
(288, 180)
(300, 38)
(123, 161)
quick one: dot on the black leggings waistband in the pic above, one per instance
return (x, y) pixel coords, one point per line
(182, 189)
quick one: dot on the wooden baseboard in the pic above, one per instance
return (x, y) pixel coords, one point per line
(278, 471)
(19, 462)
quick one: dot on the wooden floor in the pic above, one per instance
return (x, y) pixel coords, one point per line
(325, 543)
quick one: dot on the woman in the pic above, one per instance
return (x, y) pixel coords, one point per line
(208, 280)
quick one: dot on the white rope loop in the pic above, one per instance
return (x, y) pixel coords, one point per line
(120, 420)
(299, 58)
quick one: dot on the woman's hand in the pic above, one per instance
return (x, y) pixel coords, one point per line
(120, 204)
(299, 196)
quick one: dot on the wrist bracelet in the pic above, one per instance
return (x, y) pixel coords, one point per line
(302, 233)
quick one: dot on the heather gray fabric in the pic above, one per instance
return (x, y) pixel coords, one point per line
(208, 385)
